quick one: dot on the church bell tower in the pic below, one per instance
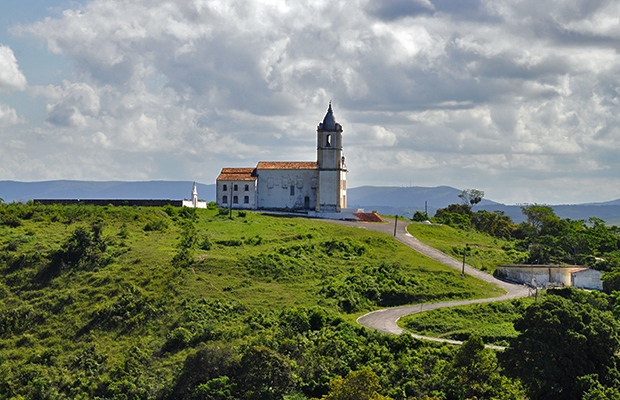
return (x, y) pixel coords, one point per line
(332, 172)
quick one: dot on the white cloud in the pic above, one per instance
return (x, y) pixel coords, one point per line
(164, 89)
(8, 116)
(72, 104)
(11, 77)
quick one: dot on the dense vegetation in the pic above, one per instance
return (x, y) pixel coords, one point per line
(158, 303)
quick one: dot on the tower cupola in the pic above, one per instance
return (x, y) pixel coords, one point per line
(329, 122)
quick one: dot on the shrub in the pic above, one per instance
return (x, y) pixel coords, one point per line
(157, 225)
(206, 244)
(419, 216)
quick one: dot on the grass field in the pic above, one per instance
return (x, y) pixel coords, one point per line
(491, 321)
(486, 252)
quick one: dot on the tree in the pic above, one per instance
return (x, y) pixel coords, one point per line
(205, 371)
(264, 374)
(471, 196)
(538, 215)
(420, 216)
(474, 374)
(559, 342)
(358, 385)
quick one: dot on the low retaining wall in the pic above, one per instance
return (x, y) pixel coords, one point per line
(114, 202)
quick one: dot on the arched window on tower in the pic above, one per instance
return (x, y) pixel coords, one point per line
(328, 141)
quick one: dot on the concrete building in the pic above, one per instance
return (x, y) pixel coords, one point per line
(587, 278)
(551, 275)
(313, 186)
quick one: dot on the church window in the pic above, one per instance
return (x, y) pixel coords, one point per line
(224, 188)
(292, 190)
(247, 188)
(224, 199)
(328, 141)
(246, 199)
(235, 188)
(235, 199)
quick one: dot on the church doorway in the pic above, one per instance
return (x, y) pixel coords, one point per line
(306, 202)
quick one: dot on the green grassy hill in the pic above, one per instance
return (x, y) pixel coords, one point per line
(485, 252)
(122, 302)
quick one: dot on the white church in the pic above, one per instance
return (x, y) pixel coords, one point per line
(312, 186)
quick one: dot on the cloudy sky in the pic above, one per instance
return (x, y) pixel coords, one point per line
(519, 98)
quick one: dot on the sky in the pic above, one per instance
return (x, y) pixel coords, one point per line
(518, 98)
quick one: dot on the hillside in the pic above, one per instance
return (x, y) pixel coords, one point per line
(152, 303)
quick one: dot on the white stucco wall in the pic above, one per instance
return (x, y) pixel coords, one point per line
(343, 189)
(538, 275)
(587, 279)
(199, 204)
(328, 190)
(274, 188)
(240, 193)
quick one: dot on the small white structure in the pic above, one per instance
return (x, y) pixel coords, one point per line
(194, 203)
(587, 278)
(552, 275)
(311, 186)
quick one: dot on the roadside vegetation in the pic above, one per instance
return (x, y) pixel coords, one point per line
(482, 250)
(492, 322)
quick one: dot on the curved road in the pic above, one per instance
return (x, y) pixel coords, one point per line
(385, 320)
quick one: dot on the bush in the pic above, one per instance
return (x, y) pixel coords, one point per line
(157, 225)
(206, 244)
(419, 216)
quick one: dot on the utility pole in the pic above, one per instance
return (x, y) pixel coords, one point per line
(230, 204)
(395, 223)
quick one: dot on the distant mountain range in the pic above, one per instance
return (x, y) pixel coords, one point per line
(388, 200)
(169, 190)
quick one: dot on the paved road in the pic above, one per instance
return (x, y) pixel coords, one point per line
(385, 320)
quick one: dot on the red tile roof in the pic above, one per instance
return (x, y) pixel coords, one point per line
(237, 174)
(369, 217)
(287, 165)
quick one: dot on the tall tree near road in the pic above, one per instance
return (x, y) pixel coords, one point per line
(471, 196)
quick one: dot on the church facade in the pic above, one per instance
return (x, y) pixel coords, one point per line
(319, 186)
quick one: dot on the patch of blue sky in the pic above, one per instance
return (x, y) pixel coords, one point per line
(39, 65)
